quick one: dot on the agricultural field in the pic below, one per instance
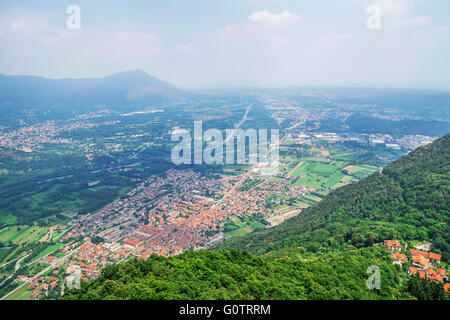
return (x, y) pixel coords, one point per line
(234, 169)
(249, 184)
(359, 171)
(326, 168)
(48, 250)
(21, 294)
(22, 234)
(238, 226)
(3, 253)
(15, 238)
(345, 180)
(318, 173)
(7, 219)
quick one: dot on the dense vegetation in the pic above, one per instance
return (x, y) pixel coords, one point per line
(364, 124)
(234, 274)
(424, 289)
(321, 254)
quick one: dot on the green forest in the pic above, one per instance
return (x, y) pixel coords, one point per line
(235, 274)
(323, 253)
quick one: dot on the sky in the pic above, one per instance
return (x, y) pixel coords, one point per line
(198, 44)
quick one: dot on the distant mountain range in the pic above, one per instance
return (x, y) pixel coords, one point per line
(31, 98)
(121, 91)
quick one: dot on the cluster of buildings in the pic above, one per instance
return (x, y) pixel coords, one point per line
(78, 263)
(169, 214)
(253, 201)
(407, 142)
(163, 215)
(33, 136)
(90, 258)
(424, 263)
(411, 142)
(298, 134)
(39, 285)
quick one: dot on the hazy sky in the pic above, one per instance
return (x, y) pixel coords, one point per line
(211, 43)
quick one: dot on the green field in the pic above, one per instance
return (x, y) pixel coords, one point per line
(318, 172)
(345, 180)
(239, 226)
(325, 172)
(302, 204)
(48, 250)
(307, 200)
(237, 232)
(22, 234)
(359, 171)
(7, 219)
(21, 294)
(3, 253)
(313, 197)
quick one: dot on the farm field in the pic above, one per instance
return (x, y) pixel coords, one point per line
(359, 171)
(301, 204)
(313, 197)
(345, 180)
(19, 235)
(3, 253)
(48, 250)
(21, 294)
(324, 168)
(239, 226)
(6, 219)
(22, 234)
(317, 174)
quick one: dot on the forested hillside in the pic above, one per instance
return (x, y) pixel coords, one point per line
(408, 200)
(321, 254)
(234, 274)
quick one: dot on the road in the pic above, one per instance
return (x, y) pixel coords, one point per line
(45, 255)
(16, 267)
(6, 263)
(39, 274)
(238, 125)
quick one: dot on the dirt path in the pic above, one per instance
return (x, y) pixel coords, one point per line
(295, 168)
(286, 215)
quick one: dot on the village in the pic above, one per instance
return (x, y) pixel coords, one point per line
(423, 262)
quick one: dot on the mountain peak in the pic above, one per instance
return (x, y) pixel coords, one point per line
(137, 73)
(124, 90)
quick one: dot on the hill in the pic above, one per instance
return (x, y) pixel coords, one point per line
(130, 90)
(408, 200)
